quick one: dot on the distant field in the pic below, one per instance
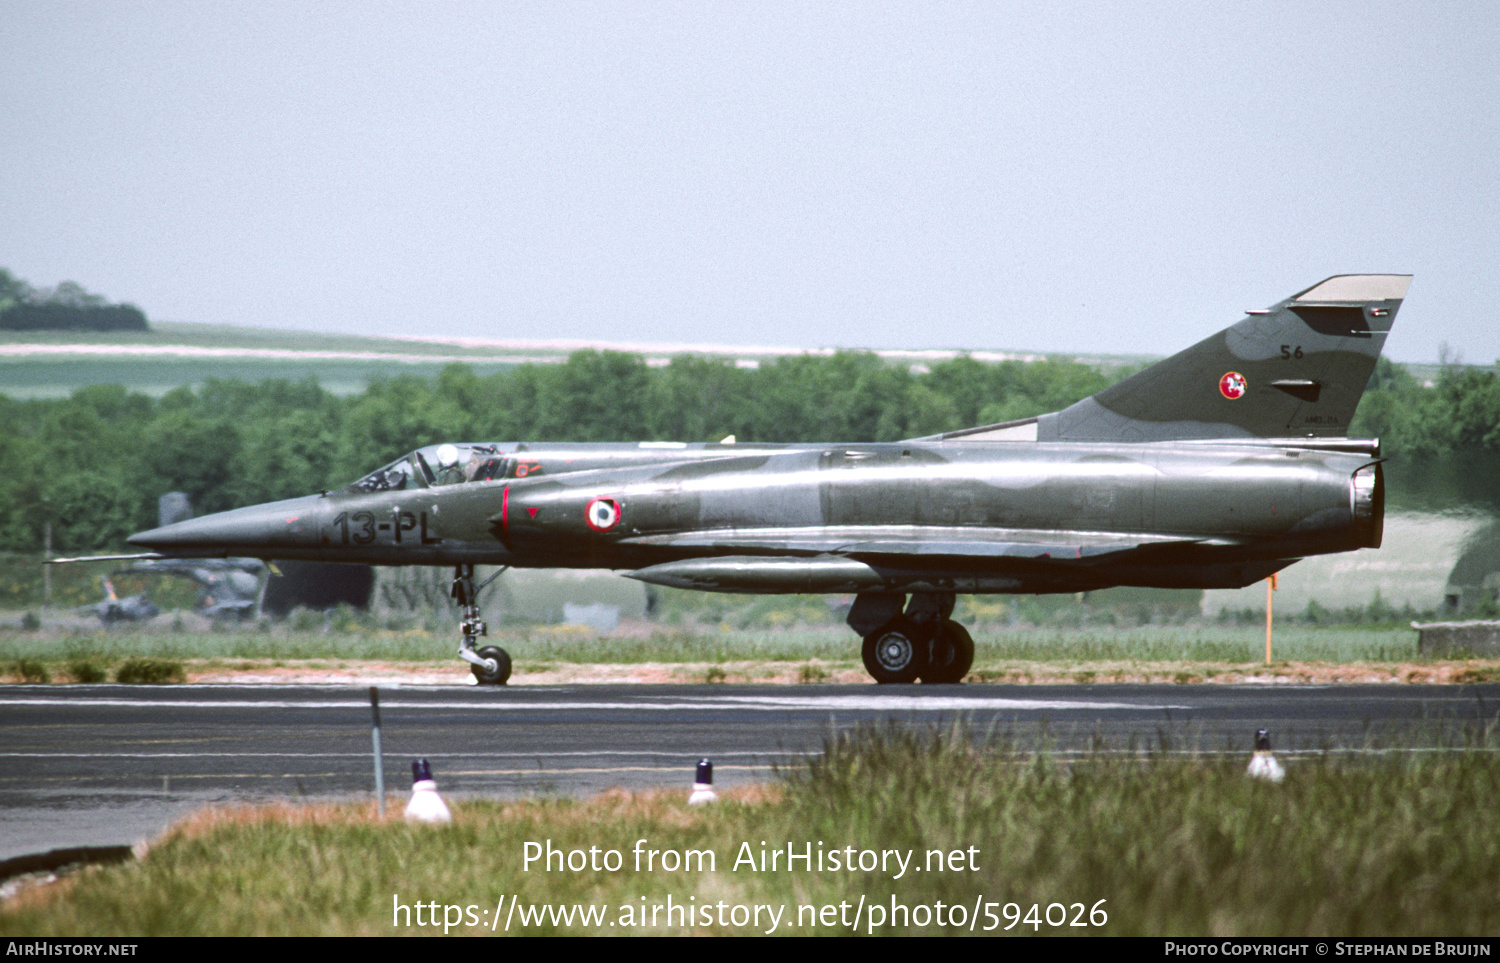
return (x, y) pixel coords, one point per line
(58, 377)
(146, 362)
(55, 364)
(227, 336)
(36, 365)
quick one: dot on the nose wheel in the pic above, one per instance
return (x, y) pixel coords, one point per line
(491, 664)
(496, 668)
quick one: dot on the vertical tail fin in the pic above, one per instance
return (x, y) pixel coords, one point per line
(1295, 370)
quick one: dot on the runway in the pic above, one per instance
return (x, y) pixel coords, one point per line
(106, 764)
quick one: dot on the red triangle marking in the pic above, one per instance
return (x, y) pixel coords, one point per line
(532, 512)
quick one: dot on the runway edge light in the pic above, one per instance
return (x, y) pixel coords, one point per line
(426, 806)
(1263, 765)
(703, 784)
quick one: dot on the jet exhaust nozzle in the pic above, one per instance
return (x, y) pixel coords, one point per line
(1367, 503)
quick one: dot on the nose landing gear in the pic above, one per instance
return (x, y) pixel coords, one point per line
(491, 664)
(495, 669)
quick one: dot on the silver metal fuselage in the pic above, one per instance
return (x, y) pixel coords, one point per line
(952, 516)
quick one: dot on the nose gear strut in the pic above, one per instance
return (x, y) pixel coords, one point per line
(491, 664)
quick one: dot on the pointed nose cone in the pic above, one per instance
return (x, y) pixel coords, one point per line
(286, 529)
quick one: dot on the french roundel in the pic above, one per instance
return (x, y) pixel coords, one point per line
(602, 514)
(1233, 385)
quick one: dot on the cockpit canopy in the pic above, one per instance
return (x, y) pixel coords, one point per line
(445, 464)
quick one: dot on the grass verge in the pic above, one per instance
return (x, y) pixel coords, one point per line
(1357, 845)
(569, 654)
(1206, 643)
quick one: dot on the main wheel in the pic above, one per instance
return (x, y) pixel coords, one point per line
(952, 654)
(895, 652)
(501, 671)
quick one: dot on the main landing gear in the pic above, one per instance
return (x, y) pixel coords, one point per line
(920, 643)
(491, 664)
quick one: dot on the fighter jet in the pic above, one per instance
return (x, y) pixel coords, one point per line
(1211, 469)
(132, 608)
(228, 588)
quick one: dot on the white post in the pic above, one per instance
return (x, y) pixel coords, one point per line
(379, 763)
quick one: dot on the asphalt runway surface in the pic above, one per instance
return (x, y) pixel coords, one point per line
(92, 765)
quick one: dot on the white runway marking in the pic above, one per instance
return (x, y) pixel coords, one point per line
(919, 703)
(365, 754)
(872, 703)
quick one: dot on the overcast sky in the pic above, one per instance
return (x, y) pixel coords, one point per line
(1065, 177)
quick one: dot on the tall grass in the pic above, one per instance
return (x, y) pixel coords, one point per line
(1373, 845)
(1356, 845)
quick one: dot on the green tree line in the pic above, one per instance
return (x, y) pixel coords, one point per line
(95, 463)
(1460, 412)
(67, 307)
